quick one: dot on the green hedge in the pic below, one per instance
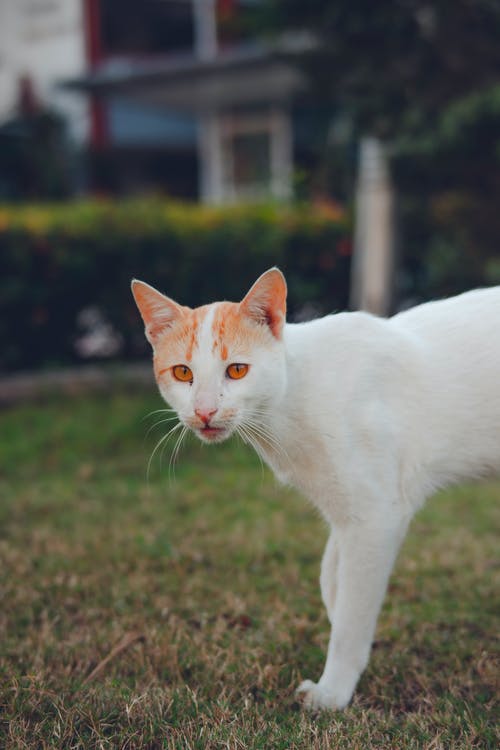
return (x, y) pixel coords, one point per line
(57, 260)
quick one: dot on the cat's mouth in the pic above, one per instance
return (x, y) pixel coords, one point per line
(211, 434)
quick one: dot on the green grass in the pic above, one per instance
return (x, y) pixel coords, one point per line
(212, 578)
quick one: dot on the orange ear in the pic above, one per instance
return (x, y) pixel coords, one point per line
(265, 303)
(158, 312)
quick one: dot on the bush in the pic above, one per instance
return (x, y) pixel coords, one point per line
(59, 260)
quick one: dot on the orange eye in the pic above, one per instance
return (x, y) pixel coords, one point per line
(236, 371)
(183, 373)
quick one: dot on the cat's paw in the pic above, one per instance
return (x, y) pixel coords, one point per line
(316, 696)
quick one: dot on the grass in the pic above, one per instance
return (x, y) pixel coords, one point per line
(183, 614)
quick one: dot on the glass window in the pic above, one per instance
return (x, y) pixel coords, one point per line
(256, 155)
(251, 161)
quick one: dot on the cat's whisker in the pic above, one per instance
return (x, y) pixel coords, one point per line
(250, 419)
(259, 429)
(263, 427)
(161, 442)
(240, 429)
(158, 411)
(157, 424)
(243, 433)
(175, 452)
(162, 452)
(178, 445)
(265, 439)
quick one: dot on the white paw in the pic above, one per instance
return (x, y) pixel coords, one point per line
(316, 696)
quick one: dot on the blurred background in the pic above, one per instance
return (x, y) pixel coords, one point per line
(195, 143)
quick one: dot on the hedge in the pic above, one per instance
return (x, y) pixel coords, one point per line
(58, 260)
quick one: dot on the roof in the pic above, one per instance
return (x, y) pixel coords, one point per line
(246, 74)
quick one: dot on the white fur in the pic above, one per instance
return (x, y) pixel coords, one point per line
(367, 417)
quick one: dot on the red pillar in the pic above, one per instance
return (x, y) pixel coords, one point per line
(94, 54)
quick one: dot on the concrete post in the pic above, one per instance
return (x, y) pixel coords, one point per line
(373, 261)
(205, 29)
(210, 162)
(210, 158)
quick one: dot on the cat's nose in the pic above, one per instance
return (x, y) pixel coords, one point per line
(205, 414)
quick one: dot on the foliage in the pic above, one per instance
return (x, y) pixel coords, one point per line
(425, 78)
(450, 177)
(214, 579)
(34, 157)
(394, 65)
(56, 261)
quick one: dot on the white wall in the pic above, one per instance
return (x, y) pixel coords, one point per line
(43, 39)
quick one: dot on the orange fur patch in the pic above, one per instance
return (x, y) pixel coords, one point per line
(193, 341)
(232, 331)
(226, 316)
(178, 345)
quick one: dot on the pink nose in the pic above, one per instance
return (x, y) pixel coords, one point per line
(205, 414)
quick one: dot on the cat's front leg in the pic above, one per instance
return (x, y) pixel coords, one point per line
(366, 554)
(328, 575)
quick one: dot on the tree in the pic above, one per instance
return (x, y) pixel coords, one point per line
(394, 64)
(425, 77)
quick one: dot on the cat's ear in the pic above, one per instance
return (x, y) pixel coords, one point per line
(158, 312)
(265, 303)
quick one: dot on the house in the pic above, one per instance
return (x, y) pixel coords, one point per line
(175, 96)
(185, 100)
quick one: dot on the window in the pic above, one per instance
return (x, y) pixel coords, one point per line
(248, 162)
(256, 155)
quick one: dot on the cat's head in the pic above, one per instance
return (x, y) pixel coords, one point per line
(222, 365)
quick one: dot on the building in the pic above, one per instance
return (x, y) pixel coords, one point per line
(189, 100)
(177, 96)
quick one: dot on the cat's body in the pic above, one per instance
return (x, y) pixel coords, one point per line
(421, 389)
(366, 417)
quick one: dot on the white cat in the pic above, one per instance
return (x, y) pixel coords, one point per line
(366, 417)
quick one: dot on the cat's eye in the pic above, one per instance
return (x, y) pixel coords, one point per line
(183, 373)
(237, 371)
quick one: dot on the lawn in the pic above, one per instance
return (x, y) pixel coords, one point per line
(182, 611)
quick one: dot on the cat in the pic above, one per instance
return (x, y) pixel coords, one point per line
(365, 416)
